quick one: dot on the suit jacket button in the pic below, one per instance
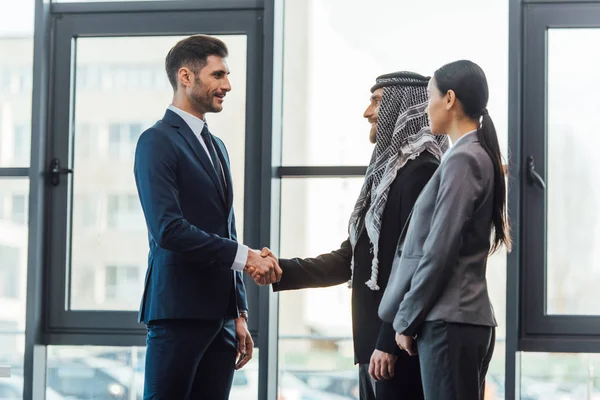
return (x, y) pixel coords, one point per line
(405, 323)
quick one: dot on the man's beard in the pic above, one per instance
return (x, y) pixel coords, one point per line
(373, 135)
(207, 103)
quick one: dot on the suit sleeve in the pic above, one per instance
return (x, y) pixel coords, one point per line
(155, 171)
(460, 185)
(386, 341)
(325, 270)
(240, 286)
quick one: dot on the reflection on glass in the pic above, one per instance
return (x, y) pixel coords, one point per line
(245, 381)
(323, 124)
(117, 373)
(11, 354)
(323, 120)
(16, 80)
(323, 369)
(16, 72)
(14, 194)
(314, 220)
(573, 194)
(121, 89)
(86, 372)
(557, 376)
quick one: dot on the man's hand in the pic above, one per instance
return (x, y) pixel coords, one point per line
(264, 269)
(382, 365)
(266, 252)
(245, 343)
(406, 343)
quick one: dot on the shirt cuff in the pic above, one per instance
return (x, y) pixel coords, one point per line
(240, 258)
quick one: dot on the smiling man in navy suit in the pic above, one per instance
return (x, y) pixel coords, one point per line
(194, 302)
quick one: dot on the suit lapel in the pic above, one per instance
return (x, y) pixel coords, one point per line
(184, 130)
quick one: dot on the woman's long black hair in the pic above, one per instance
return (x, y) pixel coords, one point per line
(469, 84)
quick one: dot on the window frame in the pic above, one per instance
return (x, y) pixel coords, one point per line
(68, 27)
(541, 331)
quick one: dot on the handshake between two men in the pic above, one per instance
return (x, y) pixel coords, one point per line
(263, 267)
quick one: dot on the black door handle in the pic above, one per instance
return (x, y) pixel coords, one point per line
(56, 171)
(532, 175)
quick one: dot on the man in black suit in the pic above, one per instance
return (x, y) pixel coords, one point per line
(405, 157)
(194, 302)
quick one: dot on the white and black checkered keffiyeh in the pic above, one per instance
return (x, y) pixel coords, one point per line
(402, 134)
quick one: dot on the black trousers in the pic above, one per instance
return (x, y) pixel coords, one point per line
(190, 359)
(454, 360)
(405, 385)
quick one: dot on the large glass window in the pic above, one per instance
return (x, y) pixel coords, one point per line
(16, 71)
(315, 326)
(329, 67)
(13, 283)
(16, 76)
(119, 76)
(323, 123)
(113, 87)
(573, 232)
(560, 198)
(560, 376)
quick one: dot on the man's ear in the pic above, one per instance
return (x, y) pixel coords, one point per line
(185, 77)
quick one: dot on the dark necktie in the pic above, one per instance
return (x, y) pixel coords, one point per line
(207, 137)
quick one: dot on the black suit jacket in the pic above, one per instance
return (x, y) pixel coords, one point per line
(369, 332)
(191, 226)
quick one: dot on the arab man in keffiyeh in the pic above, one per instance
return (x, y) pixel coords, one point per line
(402, 135)
(405, 157)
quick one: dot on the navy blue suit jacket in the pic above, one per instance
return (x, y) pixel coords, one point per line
(191, 226)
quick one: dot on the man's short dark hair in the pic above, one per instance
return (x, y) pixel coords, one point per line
(192, 52)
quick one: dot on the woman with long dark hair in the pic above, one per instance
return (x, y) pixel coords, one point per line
(437, 295)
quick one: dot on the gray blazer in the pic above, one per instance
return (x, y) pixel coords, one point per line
(438, 273)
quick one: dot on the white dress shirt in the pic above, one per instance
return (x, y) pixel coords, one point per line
(196, 125)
